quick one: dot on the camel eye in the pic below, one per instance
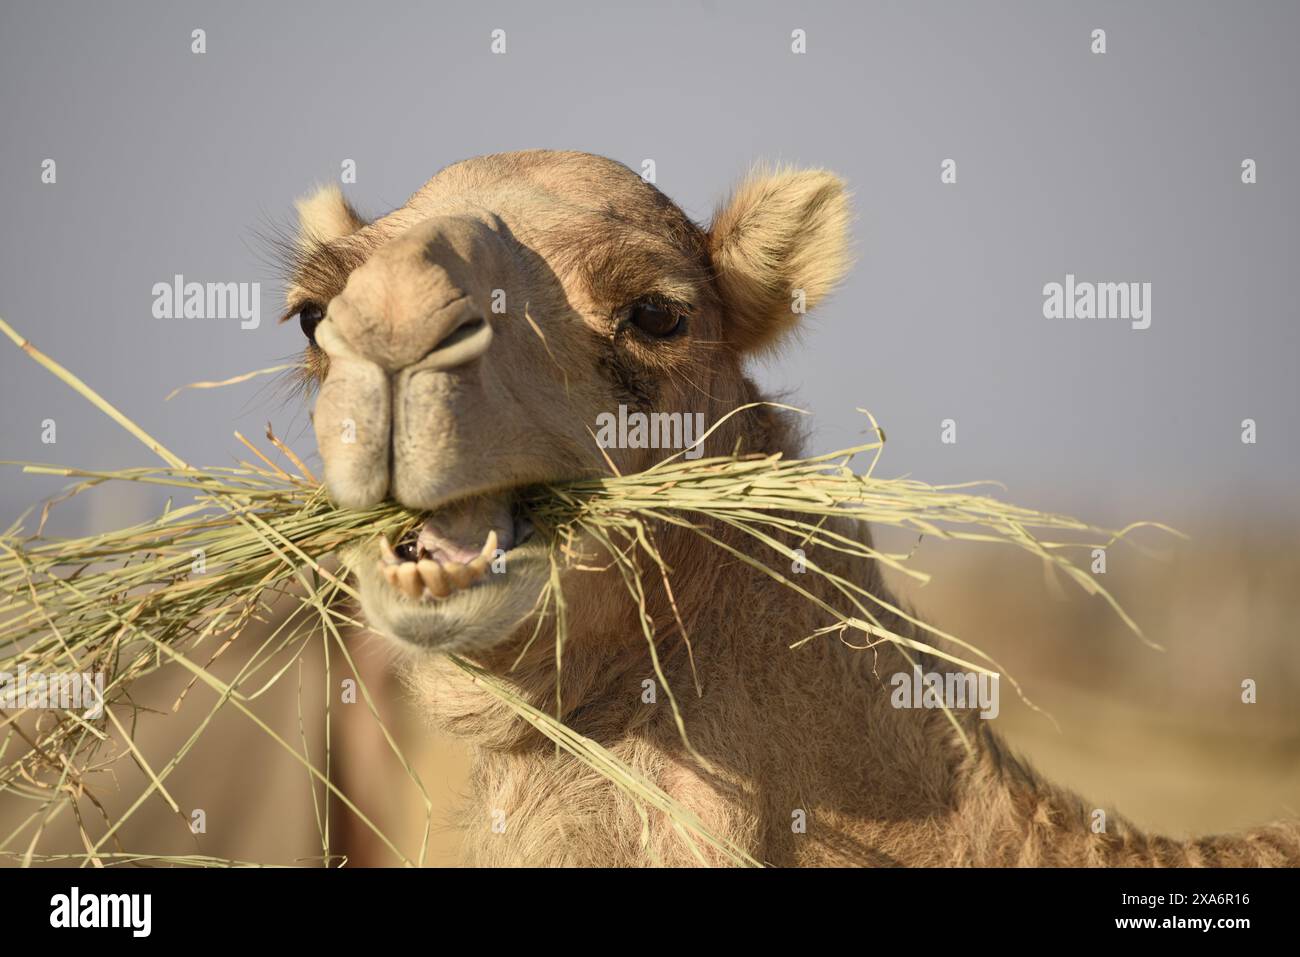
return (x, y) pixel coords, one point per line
(655, 319)
(309, 317)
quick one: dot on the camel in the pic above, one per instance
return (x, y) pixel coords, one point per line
(462, 347)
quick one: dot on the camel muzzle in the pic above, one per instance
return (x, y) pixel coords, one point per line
(404, 409)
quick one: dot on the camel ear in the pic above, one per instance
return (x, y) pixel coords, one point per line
(325, 216)
(778, 245)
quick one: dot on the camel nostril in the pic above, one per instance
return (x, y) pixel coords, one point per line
(465, 343)
(462, 332)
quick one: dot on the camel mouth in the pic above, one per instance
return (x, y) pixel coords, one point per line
(456, 549)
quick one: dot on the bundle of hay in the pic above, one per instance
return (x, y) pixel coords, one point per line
(176, 591)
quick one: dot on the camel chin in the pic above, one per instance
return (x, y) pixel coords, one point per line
(478, 616)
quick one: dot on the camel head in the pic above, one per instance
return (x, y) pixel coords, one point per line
(466, 344)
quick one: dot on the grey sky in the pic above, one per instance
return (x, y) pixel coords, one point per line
(1117, 167)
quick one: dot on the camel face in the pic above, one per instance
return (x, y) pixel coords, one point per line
(467, 344)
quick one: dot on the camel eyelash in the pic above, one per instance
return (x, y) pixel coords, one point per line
(653, 300)
(320, 269)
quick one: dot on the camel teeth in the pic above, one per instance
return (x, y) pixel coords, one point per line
(408, 580)
(490, 546)
(434, 580)
(459, 575)
(386, 553)
(430, 579)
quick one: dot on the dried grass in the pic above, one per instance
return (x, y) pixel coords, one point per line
(176, 591)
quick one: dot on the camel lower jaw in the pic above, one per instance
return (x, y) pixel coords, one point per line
(425, 598)
(434, 565)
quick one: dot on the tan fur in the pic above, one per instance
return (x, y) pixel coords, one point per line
(808, 730)
(787, 732)
(781, 232)
(325, 216)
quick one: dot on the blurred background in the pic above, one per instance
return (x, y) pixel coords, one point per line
(1116, 167)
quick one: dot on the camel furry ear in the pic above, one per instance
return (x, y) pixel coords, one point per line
(779, 245)
(325, 216)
